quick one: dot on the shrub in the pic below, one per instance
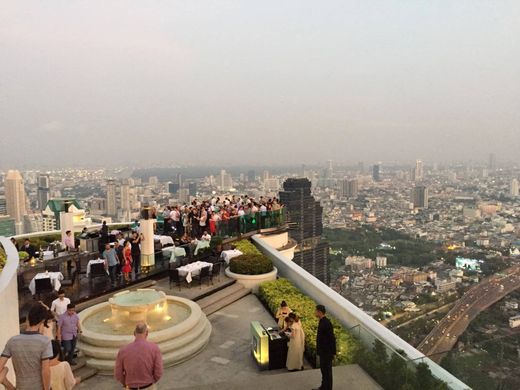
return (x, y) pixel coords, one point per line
(23, 255)
(272, 293)
(246, 247)
(251, 264)
(3, 258)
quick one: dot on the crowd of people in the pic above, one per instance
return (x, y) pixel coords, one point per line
(215, 216)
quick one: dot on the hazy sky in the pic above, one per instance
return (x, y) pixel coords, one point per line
(226, 82)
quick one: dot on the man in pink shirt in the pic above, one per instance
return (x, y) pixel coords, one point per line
(139, 365)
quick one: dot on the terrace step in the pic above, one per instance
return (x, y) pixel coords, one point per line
(85, 372)
(81, 363)
(223, 298)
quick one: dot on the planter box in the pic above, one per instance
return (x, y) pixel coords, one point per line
(252, 281)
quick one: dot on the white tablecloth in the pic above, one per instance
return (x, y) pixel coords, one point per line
(47, 255)
(193, 269)
(200, 245)
(172, 252)
(56, 278)
(97, 261)
(228, 255)
(165, 240)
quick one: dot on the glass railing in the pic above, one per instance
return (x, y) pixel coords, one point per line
(238, 225)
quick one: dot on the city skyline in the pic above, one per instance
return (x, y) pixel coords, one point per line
(396, 81)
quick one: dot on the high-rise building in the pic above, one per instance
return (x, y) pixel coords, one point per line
(124, 196)
(179, 180)
(349, 188)
(173, 188)
(304, 217)
(492, 164)
(43, 193)
(418, 172)
(376, 172)
(184, 195)
(111, 198)
(153, 180)
(226, 182)
(513, 188)
(192, 188)
(420, 197)
(251, 176)
(15, 198)
(330, 171)
(265, 176)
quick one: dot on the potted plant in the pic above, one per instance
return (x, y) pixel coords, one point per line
(251, 270)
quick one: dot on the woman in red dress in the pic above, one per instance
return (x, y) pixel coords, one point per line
(127, 263)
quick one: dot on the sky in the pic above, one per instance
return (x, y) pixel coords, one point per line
(267, 82)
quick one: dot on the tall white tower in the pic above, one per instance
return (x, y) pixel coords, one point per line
(15, 198)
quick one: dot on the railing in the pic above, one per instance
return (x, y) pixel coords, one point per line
(361, 324)
(248, 223)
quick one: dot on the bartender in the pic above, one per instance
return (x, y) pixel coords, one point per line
(282, 313)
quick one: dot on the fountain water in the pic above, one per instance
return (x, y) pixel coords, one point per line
(177, 325)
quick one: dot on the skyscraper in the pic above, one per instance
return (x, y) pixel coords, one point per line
(251, 176)
(420, 197)
(349, 188)
(43, 193)
(192, 188)
(226, 182)
(111, 198)
(492, 161)
(124, 197)
(330, 172)
(418, 172)
(179, 179)
(376, 172)
(15, 198)
(304, 216)
(513, 188)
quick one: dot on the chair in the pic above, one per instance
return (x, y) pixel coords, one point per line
(42, 286)
(215, 272)
(204, 273)
(97, 269)
(175, 278)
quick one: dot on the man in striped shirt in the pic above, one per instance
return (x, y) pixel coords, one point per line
(30, 353)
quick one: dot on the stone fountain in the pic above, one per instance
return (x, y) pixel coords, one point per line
(177, 325)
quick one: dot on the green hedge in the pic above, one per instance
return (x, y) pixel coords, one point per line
(3, 258)
(272, 293)
(246, 247)
(251, 264)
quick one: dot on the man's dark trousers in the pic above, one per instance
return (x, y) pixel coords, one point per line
(326, 372)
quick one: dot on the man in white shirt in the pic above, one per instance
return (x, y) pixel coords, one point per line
(59, 305)
(206, 236)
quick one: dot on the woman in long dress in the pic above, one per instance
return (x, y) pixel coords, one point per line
(282, 313)
(127, 262)
(296, 343)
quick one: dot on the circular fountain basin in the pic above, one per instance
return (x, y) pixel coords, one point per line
(177, 325)
(147, 305)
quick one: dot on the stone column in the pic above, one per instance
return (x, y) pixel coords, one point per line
(146, 225)
(66, 223)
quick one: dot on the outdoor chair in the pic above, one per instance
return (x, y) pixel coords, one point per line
(175, 278)
(205, 273)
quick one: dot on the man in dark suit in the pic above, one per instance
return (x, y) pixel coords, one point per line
(325, 347)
